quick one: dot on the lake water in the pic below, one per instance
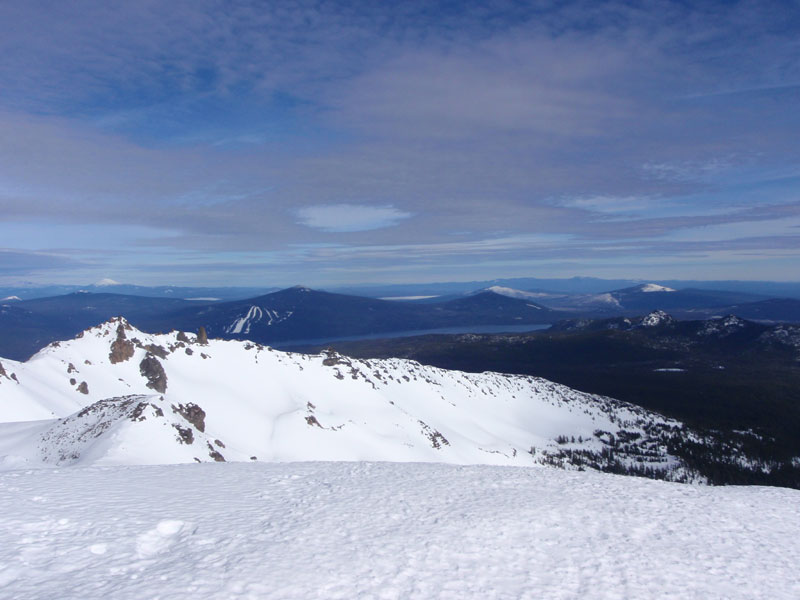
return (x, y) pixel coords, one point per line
(412, 333)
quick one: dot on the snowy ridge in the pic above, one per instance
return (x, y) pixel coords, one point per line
(513, 293)
(128, 388)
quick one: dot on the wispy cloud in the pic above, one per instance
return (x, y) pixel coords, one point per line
(273, 133)
(350, 217)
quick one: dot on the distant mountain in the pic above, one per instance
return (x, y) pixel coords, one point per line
(293, 314)
(773, 310)
(570, 286)
(301, 313)
(28, 325)
(647, 297)
(211, 294)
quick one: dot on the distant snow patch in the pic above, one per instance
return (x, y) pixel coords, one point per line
(513, 293)
(106, 282)
(654, 287)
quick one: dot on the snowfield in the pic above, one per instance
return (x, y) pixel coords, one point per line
(384, 530)
(118, 396)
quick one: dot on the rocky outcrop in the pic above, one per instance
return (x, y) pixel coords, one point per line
(121, 348)
(153, 371)
(192, 413)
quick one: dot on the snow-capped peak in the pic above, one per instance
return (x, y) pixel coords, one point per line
(654, 287)
(105, 282)
(11, 299)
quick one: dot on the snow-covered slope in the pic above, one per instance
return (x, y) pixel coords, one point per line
(514, 293)
(381, 530)
(125, 397)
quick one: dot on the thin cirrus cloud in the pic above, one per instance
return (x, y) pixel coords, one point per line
(348, 218)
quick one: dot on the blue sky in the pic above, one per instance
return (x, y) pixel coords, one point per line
(273, 143)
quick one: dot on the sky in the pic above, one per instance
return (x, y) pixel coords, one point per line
(275, 143)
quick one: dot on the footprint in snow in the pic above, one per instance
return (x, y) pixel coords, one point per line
(161, 537)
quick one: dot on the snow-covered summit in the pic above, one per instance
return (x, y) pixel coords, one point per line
(105, 282)
(653, 287)
(11, 299)
(128, 387)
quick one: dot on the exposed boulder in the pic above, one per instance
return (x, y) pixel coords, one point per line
(153, 371)
(192, 413)
(121, 348)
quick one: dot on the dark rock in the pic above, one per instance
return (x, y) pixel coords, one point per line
(121, 348)
(157, 350)
(202, 336)
(192, 413)
(83, 388)
(185, 434)
(71, 368)
(189, 351)
(212, 452)
(182, 337)
(72, 381)
(153, 371)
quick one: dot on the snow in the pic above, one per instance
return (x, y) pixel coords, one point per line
(282, 406)
(106, 282)
(722, 326)
(656, 318)
(513, 293)
(606, 298)
(11, 299)
(383, 530)
(254, 315)
(654, 287)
